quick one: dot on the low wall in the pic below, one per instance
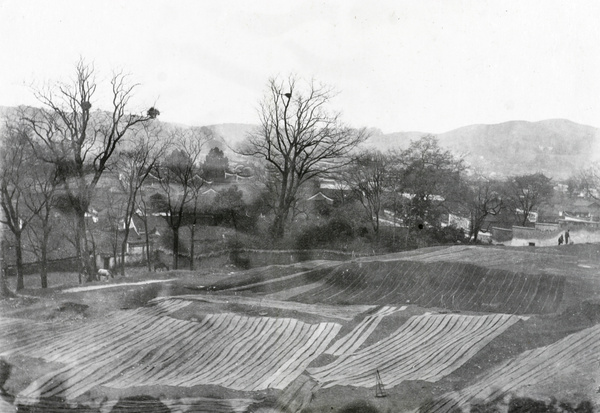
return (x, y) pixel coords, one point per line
(251, 258)
(246, 258)
(501, 235)
(70, 264)
(527, 236)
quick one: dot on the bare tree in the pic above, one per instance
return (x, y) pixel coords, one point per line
(299, 139)
(41, 203)
(144, 208)
(429, 177)
(194, 208)
(483, 199)
(179, 179)
(524, 193)
(367, 177)
(4, 290)
(82, 142)
(134, 165)
(589, 179)
(15, 187)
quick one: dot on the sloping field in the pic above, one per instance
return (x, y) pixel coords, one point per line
(276, 278)
(347, 312)
(298, 394)
(17, 333)
(353, 340)
(171, 305)
(537, 367)
(532, 261)
(457, 286)
(143, 348)
(312, 335)
(426, 347)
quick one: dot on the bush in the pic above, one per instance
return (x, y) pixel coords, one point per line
(529, 405)
(448, 235)
(318, 236)
(236, 254)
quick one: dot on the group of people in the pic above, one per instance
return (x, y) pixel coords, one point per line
(565, 239)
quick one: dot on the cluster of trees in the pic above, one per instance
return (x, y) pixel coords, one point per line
(424, 182)
(67, 146)
(300, 140)
(54, 158)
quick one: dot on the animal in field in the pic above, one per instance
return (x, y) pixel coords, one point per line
(104, 272)
(160, 267)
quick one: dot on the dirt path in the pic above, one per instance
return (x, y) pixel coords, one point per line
(100, 287)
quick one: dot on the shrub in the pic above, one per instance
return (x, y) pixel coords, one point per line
(236, 254)
(318, 236)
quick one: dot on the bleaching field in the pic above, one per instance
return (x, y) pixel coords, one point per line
(432, 330)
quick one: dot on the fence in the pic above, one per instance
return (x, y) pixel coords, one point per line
(252, 258)
(69, 264)
(247, 258)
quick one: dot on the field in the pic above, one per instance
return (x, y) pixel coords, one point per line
(433, 330)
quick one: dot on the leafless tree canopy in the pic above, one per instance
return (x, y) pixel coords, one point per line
(368, 176)
(135, 165)
(299, 139)
(483, 198)
(180, 179)
(79, 141)
(590, 180)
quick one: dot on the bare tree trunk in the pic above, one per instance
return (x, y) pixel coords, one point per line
(175, 248)
(116, 258)
(128, 217)
(282, 210)
(44, 264)
(4, 290)
(279, 222)
(192, 231)
(83, 250)
(81, 268)
(123, 250)
(46, 230)
(278, 226)
(148, 255)
(19, 260)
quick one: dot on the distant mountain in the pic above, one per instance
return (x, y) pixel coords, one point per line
(555, 147)
(226, 137)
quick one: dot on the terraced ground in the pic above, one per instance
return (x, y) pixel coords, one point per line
(536, 367)
(426, 347)
(455, 286)
(241, 353)
(444, 328)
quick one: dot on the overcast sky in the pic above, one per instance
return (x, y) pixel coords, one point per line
(428, 66)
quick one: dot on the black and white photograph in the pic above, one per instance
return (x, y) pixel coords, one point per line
(286, 206)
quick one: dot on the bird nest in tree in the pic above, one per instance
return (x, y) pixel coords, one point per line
(153, 112)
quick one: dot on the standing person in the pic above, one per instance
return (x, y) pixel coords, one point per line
(567, 237)
(560, 240)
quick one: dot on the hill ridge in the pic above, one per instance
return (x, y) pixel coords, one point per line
(556, 147)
